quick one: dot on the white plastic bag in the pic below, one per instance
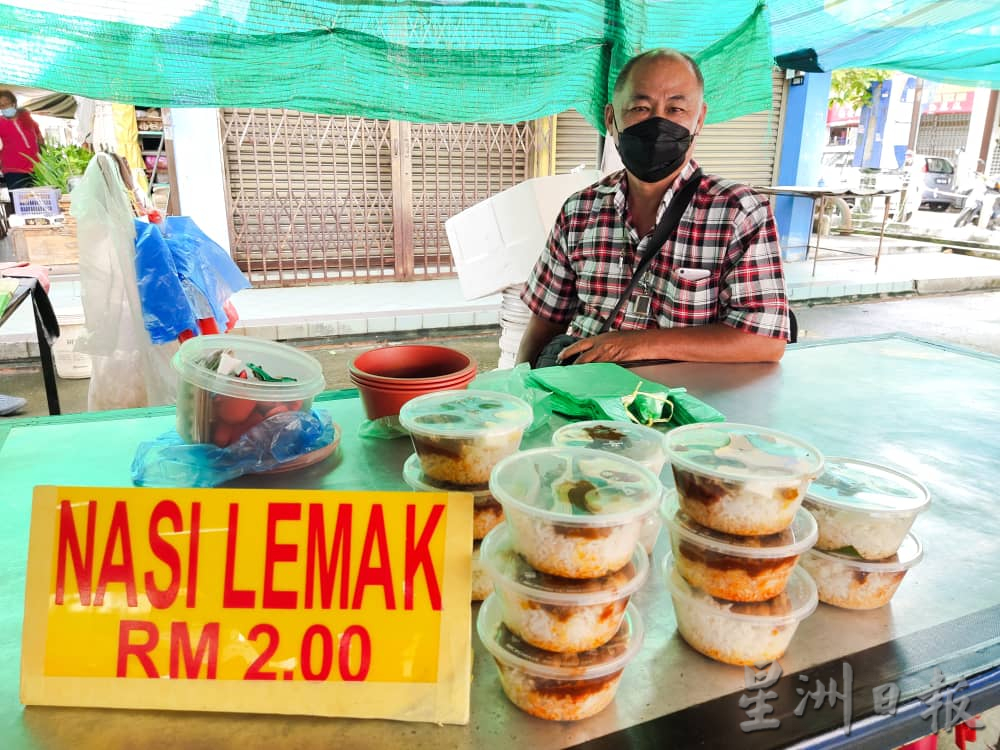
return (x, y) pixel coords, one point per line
(129, 371)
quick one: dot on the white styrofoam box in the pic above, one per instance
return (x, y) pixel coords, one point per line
(497, 241)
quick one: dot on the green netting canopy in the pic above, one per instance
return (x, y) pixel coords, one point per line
(469, 60)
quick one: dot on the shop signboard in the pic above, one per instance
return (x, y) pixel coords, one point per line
(269, 601)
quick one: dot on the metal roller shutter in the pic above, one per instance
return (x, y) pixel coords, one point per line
(576, 142)
(745, 149)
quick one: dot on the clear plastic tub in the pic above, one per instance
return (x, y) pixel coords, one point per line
(848, 581)
(559, 687)
(214, 408)
(565, 615)
(482, 584)
(487, 512)
(461, 435)
(740, 479)
(736, 568)
(635, 441)
(739, 633)
(574, 512)
(865, 506)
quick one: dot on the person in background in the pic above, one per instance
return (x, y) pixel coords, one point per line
(714, 292)
(912, 188)
(20, 141)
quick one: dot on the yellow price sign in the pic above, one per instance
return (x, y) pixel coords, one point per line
(356, 603)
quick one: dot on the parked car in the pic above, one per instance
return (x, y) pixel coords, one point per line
(938, 181)
(837, 171)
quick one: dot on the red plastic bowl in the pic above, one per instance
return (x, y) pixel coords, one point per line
(389, 376)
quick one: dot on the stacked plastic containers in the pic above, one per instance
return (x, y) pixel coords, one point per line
(865, 547)
(565, 564)
(459, 436)
(642, 444)
(737, 530)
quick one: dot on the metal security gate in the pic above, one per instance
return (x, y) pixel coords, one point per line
(943, 134)
(456, 166)
(316, 199)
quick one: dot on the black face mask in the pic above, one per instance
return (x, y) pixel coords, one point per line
(653, 148)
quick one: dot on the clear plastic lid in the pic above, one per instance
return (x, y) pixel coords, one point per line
(741, 452)
(795, 604)
(278, 360)
(859, 485)
(510, 570)
(576, 486)
(794, 540)
(414, 476)
(635, 441)
(465, 414)
(514, 652)
(910, 552)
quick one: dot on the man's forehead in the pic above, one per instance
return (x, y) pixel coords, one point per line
(651, 77)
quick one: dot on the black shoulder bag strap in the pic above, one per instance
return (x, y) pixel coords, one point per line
(662, 232)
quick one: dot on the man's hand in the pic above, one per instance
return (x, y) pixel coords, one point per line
(615, 346)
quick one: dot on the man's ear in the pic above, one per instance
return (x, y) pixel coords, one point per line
(609, 119)
(701, 118)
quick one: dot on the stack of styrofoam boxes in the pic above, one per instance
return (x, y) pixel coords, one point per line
(496, 242)
(565, 564)
(737, 530)
(865, 547)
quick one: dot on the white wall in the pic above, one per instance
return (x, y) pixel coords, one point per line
(199, 172)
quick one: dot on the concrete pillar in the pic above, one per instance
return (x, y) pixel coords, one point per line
(200, 175)
(802, 141)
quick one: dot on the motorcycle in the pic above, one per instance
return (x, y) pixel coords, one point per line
(973, 205)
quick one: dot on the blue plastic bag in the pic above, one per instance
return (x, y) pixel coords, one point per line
(182, 276)
(170, 462)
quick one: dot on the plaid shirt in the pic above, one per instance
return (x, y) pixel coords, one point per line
(723, 264)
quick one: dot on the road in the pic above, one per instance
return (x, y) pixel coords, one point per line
(971, 319)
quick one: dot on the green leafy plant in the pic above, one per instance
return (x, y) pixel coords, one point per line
(853, 86)
(56, 164)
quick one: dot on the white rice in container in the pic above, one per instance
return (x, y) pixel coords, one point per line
(460, 435)
(487, 512)
(564, 615)
(865, 506)
(736, 568)
(482, 584)
(574, 512)
(635, 441)
(739, 633)
(848, 581)
(740, 479)
(649, 531)
(554, 686)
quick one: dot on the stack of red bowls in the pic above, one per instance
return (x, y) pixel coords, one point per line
(390, 376)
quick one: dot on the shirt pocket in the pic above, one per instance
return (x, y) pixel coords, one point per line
(687, 301)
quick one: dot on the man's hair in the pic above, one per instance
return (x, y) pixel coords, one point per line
(8, 93)
(626, 70)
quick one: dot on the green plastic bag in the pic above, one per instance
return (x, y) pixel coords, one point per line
(604, 390)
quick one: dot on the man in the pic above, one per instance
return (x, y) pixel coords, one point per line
(714, 292)
(20, 142)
